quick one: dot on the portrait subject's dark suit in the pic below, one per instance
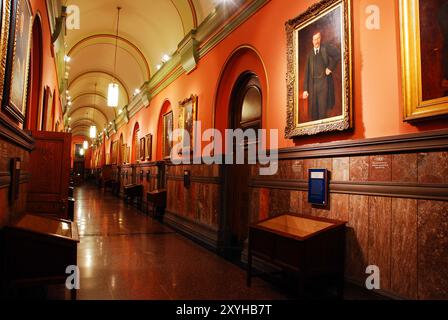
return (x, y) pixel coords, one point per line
(319, 86)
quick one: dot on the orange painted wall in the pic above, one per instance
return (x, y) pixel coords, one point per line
(376, 87)
(49, 74)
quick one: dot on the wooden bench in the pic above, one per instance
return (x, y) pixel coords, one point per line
(157, 198)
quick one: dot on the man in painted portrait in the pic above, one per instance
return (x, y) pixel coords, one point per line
(318, 82)
(443, 23)
(19, 63)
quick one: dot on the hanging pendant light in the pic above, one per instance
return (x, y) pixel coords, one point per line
(85, 145)
(81, 152)
(93, 128)
(113, 90)
(112, 95)
(92, 132)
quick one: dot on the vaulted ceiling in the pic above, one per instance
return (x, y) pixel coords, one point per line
(148, 30)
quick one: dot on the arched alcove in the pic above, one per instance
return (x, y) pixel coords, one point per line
(135, 144)
(243, 62)
(240, 104)
(32, 120)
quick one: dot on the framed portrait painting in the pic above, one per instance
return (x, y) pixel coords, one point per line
(167, 134)
(319, 77)
(187, 116)
(114, 156)
(142, 149)
(5, 12)
(18, 60)
(424, 51)
(149, 147)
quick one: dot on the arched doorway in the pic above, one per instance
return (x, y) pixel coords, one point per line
(35, 75)
(245, 114)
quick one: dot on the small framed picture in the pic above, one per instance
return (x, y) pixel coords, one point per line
(149, 147)
(187, 117)
(142, 149)
(167, 134)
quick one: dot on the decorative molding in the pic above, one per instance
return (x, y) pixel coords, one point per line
(5, 180)
(188, 50)
(214, 29)
(11, 132)
(438, 192)
(218, 26)
(416, 142)
(211, 180)
(204, 234)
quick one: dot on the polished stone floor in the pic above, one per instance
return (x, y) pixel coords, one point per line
(125, 254)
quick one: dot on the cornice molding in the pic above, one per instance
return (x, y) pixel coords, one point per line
(10, 132)
(214, 29)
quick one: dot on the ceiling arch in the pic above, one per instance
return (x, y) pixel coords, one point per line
(90, 112)
(123, 44)
(148, 30)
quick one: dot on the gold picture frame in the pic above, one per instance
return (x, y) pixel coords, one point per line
(149, 147)
(142, 147)
(187, 117)
(18, 60)
(4, 37)
(167, 138)
(424, 72)
(323, 32)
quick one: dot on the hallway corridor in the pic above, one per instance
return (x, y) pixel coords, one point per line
(124, 254)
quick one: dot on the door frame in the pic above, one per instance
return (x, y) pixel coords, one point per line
(244, 82)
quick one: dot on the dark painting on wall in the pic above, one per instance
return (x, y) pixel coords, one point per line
(149, 147)
(167, 134)
(187, 117)
(18, 59)
(319, 69)
(5, 12)
(424, 49)
(142, 149)
(324, 99)
(434, 48)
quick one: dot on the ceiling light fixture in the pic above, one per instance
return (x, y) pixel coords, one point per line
(113, 92)
(165, 58)
(93, 128)
(85, 145)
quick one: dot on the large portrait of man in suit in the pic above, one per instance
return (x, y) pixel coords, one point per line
(319, 69)
(424, 49)
(318, 83)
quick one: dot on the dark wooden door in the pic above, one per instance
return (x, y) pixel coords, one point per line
(246, 105)
(50, 174)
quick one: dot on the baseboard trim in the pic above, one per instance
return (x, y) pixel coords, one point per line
(198, 232)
